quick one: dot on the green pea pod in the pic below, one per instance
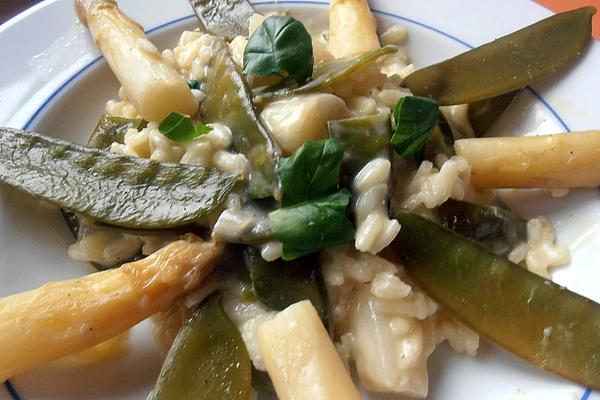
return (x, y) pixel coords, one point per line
(223, 18)
(111, 129)
(483, 113)
(208, 359)
(508, 63)
(364, 138)
(497, 229)
(228, 101)
(325, 75)
(107, 187)
(279, 284)
(545, 324)
(440, 142)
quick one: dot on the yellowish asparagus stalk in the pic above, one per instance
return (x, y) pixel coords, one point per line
(352, 28)
(565, 160)
(152, 85)
(62, 318)
(301, 358)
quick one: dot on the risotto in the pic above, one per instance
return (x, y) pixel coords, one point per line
(290, 206)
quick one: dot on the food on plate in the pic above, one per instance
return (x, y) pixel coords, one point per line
(289, 205)
(61, 318)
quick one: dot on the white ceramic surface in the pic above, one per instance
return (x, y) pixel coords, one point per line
(51, 80)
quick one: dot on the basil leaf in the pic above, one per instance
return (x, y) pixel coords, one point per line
(310, 226)
(194, 84)
(415, 118)
(281, 45)
(312, 171)
(180, 128)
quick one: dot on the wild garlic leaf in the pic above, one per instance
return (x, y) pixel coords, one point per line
(180, 128)
(280, 46)
(307, 227)
(415, 118)
(312, 171)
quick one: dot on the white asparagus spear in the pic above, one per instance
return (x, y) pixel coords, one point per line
(565, 160)
(352, 28)
(61, 318)
(301, 358)
(152, 85)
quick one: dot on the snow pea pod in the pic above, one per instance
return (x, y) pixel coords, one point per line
(508, 63)
(545, 324)
(111, 129)
(228, 101)
(483, 113)
(223, 18)
(279, 284)
(325, 75)
(496, 228)
(208, 359)
(364, 138)
(107, 187)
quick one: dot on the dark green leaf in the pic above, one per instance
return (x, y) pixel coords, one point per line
(312, 171)
(108, 187)
(415, 118)
(281, 45)
(194, 84)
(180, 128)
(307, 227)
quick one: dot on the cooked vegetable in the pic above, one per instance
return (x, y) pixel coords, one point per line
(352, 28)
(62, 318)
(307, 227)
(545, 324)
(415, 118)
(325, 75)
(280, 46)
(300, 119)
(483, 113)
(152, 85)
(312, 171)
(508, 63)
(440, 142)
(111, 129)
(364, 139)
(228, 101)
(223, 18)
(115, 189)
(496, 228)
(564, 160)
(181, 128)
(301, 358)
(208, 359)
(280, 284)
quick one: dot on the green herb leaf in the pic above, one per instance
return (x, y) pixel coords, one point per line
(307, 227)
(312, 171)
(180, 128)
(280, 45)
(415, 118)
(194, 84)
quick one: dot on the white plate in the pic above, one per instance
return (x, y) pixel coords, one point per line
(53, 81)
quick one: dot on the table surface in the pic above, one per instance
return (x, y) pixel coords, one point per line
(10, 8)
